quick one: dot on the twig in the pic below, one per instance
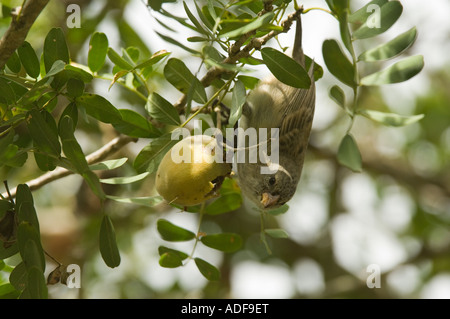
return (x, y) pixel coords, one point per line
(236, 54)
(95, 157)
(18, 30)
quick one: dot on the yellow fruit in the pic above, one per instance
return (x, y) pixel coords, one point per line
(189, 174)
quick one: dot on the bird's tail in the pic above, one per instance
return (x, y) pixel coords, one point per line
(297, 52)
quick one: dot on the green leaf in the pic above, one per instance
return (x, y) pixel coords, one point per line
(162, 250)
(78, 73)
(7, 291)
(7, 149)
(8, 228)
(30, 248)
(276, 233)
(207, 270)
(237, 102)
(349, 155)
(398, 72)
(71, 111)
(286, 69)
(171, 232)
(170, 260)
(18, 277)
(49, 100)
(13, 63)
(360, 16)
(19, 159)
(131, 55)
(118, 60)
(8, 251)
(337, 63)
(135, 125)
(155, 58)
(74, 153)
(344, 30)
(181, 20)
(338, 95)
(392, 48)
(250, 82)
(18, 89)
(43, 130)
(110, 164)
(98, 48)
(29, 60)
(150, 201)
(36, 284)
(198, 25)
(391, 119)
(6, 92)
(27, 213)
(55, 48)
(71, 147)
(156, 4)
(117, 76)
(5, 205)
(151, 155)
(177, 73)
(224, 204)
(213, 54)
(204, 19)
(55, 69)
(197, 39)
(379, 23)
(45, 162)
(317, 71)
(124, 180)
(230, 199)
(278, 211)
(99, 108)
(226, 242)
(178, 44)
(75, 88)
(108, 245)
(259, 22)
(161, 110)
(10, 155)
(338, 6)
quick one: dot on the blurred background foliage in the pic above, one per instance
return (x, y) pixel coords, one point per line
(395, 214)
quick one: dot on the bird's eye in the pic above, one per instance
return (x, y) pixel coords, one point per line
(272, 180)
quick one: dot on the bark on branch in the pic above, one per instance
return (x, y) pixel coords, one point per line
(401, 172)
(18, 30)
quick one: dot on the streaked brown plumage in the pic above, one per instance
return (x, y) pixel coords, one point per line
(273, 104)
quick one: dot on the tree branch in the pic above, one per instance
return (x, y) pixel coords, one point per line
(400, 171)
(95, 157)
(18, 30)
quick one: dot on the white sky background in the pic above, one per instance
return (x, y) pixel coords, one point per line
(366, 233)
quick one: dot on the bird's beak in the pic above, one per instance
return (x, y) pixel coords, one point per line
(268, 200)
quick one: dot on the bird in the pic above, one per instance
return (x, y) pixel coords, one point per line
(273, 104)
